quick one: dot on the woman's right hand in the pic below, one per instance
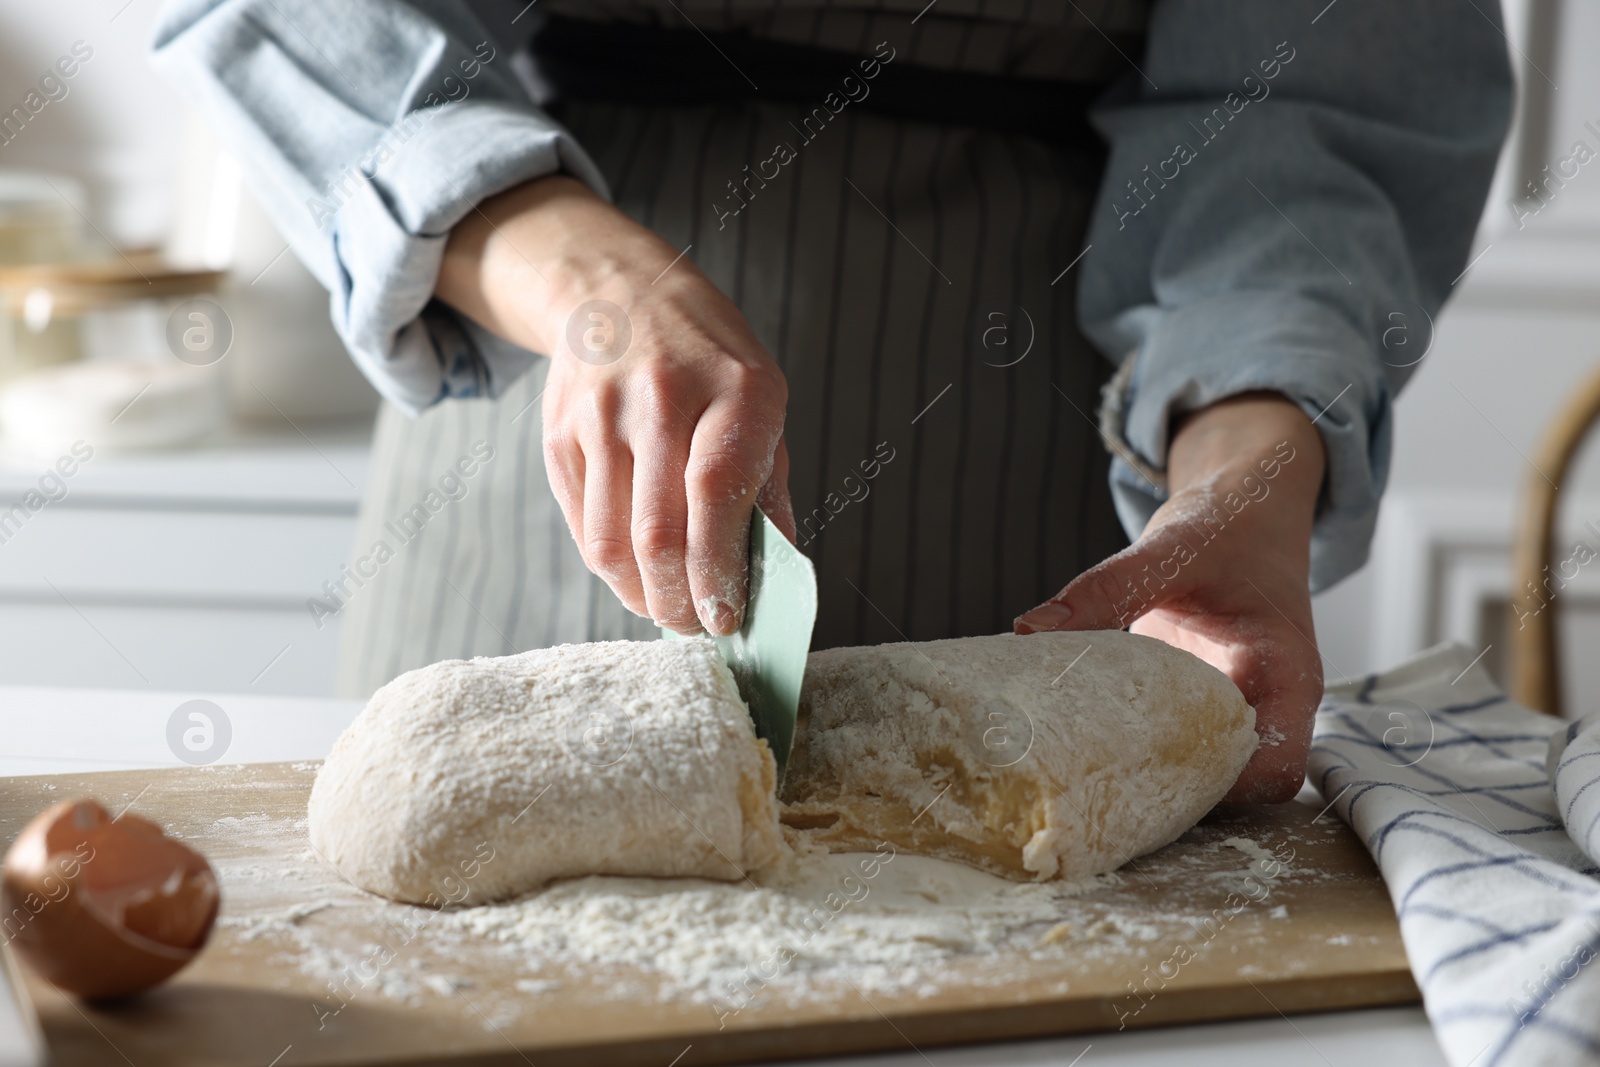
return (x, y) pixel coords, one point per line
(663, 415)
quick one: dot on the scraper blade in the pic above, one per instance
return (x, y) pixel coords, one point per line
(768, 654)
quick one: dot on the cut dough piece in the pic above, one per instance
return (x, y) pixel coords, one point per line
(1050, 755)
(1047, 756)
(471, 781)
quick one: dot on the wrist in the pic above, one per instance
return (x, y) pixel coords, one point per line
(525, 259)
(1252, 435)
(587, 250)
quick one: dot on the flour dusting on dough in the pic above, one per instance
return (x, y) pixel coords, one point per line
(987, 751)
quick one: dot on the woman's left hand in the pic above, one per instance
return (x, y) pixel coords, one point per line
(1221, 570)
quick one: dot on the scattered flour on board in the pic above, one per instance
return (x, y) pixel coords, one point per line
(249, 928)
(1264, 859)
(448, 983)
(881, 918)
(537, 985)
(882, 922)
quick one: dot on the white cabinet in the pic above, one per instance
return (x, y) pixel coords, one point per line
(181, 571)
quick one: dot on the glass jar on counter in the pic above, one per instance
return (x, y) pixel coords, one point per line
(100, 309)
(41, 218)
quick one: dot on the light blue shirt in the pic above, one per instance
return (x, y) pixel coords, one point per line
(1284, 188)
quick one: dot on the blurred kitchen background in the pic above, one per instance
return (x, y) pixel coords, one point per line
(222, 489)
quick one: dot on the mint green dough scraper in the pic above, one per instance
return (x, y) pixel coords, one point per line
(768, 654)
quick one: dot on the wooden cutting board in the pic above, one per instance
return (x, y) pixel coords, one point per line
(1323, 937)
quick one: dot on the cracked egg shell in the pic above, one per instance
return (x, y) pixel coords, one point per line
(104, 907)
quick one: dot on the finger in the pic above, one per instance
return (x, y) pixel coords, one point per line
(1111, 594)
(1282, 680)
(730, 459)
(607, 506)
(660, 527)
(774, 496)
(564, 470)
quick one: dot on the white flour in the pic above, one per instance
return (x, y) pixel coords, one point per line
(841, 924)
(878, 920)
(824, 930)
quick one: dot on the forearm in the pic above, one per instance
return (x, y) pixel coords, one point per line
(526, 258)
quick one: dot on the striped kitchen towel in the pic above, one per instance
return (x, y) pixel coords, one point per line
(1449, 783)
(1574, 773)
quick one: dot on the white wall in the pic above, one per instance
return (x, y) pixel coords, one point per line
(119, 128)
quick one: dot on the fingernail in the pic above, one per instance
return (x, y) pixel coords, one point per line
(719, 616)
(1051, 615)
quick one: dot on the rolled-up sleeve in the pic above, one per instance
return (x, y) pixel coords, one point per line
(1289, 198)
(368, 128)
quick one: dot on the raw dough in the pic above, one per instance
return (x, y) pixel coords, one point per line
(995, 752)
(471, 781)
(1054, 755)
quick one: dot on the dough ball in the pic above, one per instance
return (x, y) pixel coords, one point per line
(472, 781)
(992, 752)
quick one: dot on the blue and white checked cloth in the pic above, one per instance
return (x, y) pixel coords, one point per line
(1573, 769)
(1449, 783)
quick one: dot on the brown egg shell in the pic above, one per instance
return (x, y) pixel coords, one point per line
(84, 907)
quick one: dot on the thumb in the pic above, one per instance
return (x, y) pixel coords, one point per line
(1110, 595)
